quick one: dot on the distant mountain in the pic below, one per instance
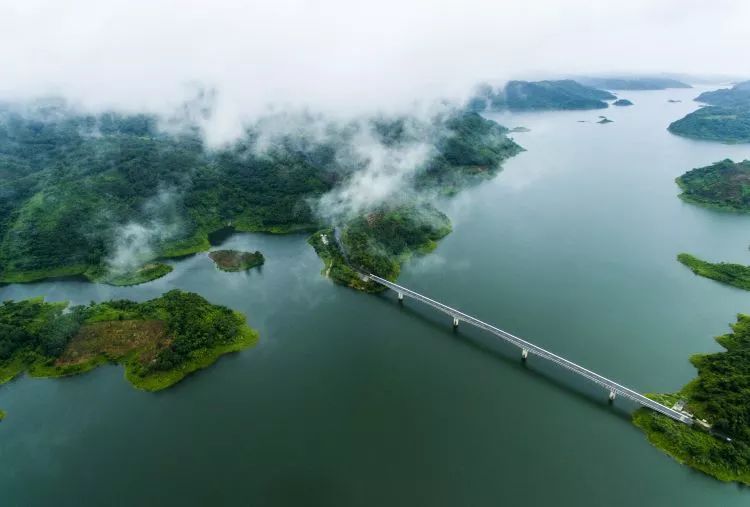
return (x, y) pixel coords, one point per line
(638, 83)
(738, 95)
(539, 95)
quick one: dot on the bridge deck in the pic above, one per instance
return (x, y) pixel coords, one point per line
(533, 349)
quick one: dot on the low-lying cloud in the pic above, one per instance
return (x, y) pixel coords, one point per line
(348, 57)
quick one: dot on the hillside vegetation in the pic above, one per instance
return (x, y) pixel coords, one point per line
(724, 184)
(727, 119)
(720, 394)
(159, 341)
(103, 196)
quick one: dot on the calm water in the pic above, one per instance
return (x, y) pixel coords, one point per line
(350, 400)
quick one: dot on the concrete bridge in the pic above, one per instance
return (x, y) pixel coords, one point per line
(529, 348)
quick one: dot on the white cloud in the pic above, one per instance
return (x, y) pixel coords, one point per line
(345, 55)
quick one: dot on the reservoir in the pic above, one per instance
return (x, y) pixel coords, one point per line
(351, 399)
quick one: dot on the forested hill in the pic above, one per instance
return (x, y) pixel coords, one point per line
(539, 95)
(724, 184)
(738, 95)
(90, 195)
(727, 119)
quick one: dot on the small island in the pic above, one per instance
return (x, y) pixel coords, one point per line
(722, 185)
(622, 102)
(674, 101)
(159, 342)
(718, 444)
(235, 260)
(520, 129)
(604, 120)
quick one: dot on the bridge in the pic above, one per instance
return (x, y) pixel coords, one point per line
(529, 348)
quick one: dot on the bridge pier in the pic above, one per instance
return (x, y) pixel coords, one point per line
(455, 322)
(612, 396)
(524, 354)
(401, 297)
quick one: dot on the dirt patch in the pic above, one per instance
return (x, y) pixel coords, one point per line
(116, 339)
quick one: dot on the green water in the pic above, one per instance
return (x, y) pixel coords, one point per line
(351, 400)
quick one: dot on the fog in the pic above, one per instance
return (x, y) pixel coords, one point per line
(345, 57)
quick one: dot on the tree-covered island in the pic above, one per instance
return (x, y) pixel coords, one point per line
(234, 260)
(159, 341)
(723, 185)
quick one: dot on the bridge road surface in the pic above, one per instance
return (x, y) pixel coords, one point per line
(530, 348)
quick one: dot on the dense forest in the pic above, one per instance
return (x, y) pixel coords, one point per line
(159, 341)
(720, 395)
(724, 184)
(538, 95)
(727, 119)
(104, 195)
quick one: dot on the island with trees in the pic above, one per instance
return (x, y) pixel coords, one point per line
(622, 102)
(235, 260)
(159, 342)
(724, 185)
(726, 119)
(565, 94)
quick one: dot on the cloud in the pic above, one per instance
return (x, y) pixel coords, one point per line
(136, 242)
(344, 55)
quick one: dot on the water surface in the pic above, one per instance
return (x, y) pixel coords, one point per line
(351, 400)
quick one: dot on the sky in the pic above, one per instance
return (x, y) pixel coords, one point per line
(347, 56)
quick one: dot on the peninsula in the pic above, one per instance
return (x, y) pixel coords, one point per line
(718, 397)
(727, 119)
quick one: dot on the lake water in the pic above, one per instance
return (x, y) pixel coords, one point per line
(352, 400)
